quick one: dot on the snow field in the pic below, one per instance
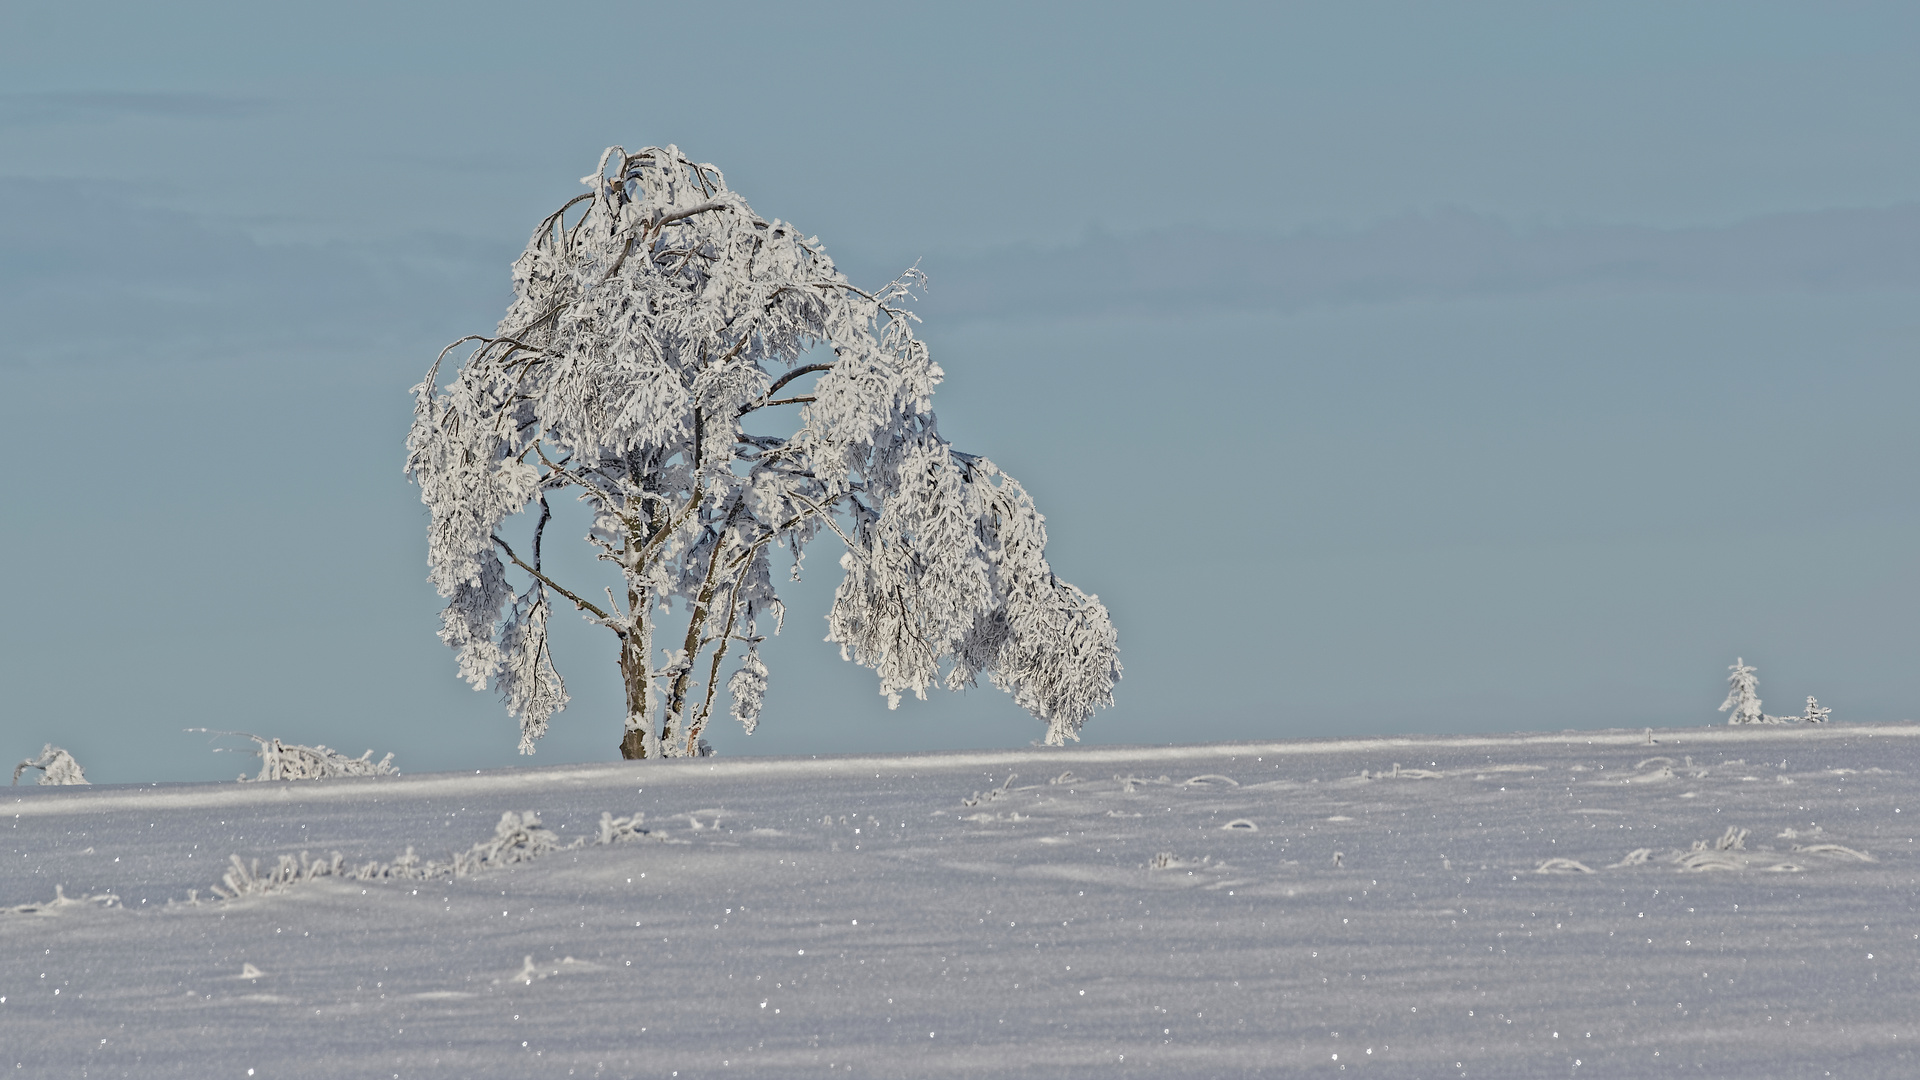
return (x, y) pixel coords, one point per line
(1425, 907)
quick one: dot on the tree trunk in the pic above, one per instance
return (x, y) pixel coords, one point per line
(633, 675)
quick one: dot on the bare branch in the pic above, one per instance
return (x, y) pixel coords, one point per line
(796, 373)
(762, 402)
(605, 619)
(539, 530)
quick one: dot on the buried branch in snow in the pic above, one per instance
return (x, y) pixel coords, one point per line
(649, 331)
(1728, 852)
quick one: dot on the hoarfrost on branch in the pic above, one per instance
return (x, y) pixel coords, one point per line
(652, 317)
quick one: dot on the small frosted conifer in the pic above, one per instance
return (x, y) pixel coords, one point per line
(1816, 713)
(1743, 697)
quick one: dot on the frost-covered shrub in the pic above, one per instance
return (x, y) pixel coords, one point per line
(57, 767)
(246, 879)
(615, 829)
(647, 333)
(291, 761)
(517, 837)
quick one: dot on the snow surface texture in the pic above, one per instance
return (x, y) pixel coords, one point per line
(1731, 902)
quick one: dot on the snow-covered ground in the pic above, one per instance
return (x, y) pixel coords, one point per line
(1368, 906)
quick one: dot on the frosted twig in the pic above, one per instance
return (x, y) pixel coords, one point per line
(582, 605)
(990, 794)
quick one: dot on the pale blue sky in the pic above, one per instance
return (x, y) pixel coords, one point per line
(1385, 367)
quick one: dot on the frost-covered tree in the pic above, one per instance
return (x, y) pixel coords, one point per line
(655, 318)
(1743, 695)
(1816, 713)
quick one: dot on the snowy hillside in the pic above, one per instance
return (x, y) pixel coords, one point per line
(1727, 903)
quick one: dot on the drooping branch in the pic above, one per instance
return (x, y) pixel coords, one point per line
(828, 518)
(433, 372)
(518, 346)
(560, 214)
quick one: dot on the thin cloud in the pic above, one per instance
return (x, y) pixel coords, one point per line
(95, 106)
(1437, 256)
(87, 274)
